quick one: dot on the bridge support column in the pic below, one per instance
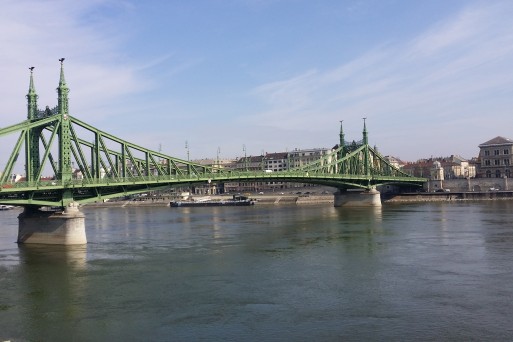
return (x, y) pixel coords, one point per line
(366, 198)
(52, 228)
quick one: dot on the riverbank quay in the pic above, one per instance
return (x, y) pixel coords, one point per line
(295, 199)
(288, 199)
(272, 199)
(447, 196)
(149, 202)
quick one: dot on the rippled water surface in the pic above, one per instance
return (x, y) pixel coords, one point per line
(266, 273)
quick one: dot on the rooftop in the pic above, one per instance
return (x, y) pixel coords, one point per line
(497, 141)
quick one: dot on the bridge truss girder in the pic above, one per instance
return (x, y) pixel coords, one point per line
(99, 158)
(363, 161)
(52, 193)
(112, 167)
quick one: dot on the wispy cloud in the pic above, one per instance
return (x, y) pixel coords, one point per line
(436, 78)
(457, 70)
(38, 33)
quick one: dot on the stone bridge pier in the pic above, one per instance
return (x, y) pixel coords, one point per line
(52, 227)
(357, 198)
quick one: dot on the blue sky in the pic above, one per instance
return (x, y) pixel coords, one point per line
(433, 78)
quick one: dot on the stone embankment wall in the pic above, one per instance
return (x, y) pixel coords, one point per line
(148, 202)
(472, 184)
(260, 199)
(311, 199)
(448, 197)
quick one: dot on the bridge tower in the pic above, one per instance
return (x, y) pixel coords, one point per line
(35, 226)
(342, 143)
(342, 149)
(365, 141)
(32, 156)
(366, 198)
(65, 171)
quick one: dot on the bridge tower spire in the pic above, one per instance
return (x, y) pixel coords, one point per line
(365, 134)
(32, 156)
(62, 91)
(342, 139)
(366, 149)
(342, 152)
(31, 97)
(65, 171)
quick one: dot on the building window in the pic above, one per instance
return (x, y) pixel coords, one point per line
(506, 161)
(508, 173)
(488, 174)
(506, 151)
(495, 152)
(487, 153)
(497, 173)
(487, 162)
(497, 162)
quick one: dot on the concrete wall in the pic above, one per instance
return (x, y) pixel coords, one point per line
(471, 185)
(448, 196)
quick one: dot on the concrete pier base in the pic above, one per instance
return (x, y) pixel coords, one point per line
(52, 228)
(366, 198)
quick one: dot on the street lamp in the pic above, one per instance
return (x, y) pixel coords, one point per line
(263, 160)
(188, 165)
(245, 157)
(218, 151)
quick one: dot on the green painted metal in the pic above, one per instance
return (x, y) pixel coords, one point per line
(32, 157)
(65, 170)
(110, 167)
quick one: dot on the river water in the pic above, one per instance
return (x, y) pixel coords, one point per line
(419, 272)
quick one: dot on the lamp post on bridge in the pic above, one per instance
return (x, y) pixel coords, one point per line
(187, 149)
(217, 162)
(245, 157)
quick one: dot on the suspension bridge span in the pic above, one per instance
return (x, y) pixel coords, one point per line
(91, 165)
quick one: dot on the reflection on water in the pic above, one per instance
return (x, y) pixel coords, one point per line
(71, 257)
(49, 281)
(415, 272)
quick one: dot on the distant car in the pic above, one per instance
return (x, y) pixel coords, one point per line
(494, 189)
(260, 193)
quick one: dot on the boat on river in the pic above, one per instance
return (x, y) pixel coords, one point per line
(207, 202)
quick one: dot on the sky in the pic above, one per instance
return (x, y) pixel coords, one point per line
(432, 78)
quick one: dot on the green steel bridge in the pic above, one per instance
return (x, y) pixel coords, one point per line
(91, 165)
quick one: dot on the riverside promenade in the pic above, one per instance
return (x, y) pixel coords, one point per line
(447, 196)
(267, 199)
(309, 199)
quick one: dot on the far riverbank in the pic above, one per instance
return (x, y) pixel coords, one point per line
(447, 196)
(281, 199)
(272, 199)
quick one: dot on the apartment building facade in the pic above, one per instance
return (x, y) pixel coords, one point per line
(495, 158)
